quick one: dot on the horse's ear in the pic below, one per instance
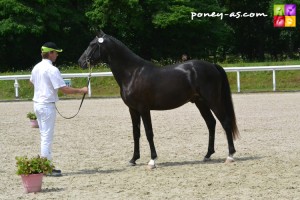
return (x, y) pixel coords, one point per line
(101, 33)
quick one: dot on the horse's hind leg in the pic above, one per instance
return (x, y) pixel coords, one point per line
(211, 125)
(226, 124)
(136, 122)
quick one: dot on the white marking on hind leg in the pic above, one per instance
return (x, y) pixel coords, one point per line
(229, 159)
(151, 164)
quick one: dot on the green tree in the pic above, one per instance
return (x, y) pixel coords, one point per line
(256, 37)
(249, 32)
(199, 37)
(26, 24)
(161, 29)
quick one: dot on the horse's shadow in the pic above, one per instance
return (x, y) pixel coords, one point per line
(82, 172)
(212, 161)
(46, 190)
(93, 171)
(247, 158)
(163, 164)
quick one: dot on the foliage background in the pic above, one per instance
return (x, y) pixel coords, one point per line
(153, 29)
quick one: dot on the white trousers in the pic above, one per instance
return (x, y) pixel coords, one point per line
(46, 115)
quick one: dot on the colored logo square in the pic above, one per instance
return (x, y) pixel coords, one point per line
(290, 21)
(278, 21)
(290, 9)
(279, 10)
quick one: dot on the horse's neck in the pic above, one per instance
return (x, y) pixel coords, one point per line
(123, 63)
(123, 71)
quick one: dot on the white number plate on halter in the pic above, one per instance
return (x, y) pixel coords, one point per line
(100, 40)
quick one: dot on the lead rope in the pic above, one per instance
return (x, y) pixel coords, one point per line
(89, 78)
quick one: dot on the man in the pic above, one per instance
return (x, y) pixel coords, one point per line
(47, 80)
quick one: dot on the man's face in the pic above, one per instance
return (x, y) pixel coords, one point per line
(53, 55)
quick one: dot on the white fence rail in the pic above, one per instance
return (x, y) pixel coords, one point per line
(238, 70)
(260, 68)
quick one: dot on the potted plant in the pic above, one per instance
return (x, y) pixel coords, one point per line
(32, 171)
(33, 121)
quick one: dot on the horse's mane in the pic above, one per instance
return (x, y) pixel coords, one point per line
(130, 53)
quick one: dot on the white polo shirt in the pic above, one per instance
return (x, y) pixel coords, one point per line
(46, 79)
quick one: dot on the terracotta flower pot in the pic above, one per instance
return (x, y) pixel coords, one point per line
(32, 182)
(34, 123)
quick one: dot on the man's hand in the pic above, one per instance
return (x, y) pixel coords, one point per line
(84, 90)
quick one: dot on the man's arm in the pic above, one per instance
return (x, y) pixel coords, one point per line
(70, 90)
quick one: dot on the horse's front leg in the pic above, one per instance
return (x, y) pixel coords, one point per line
(136, 122)
(149, 133)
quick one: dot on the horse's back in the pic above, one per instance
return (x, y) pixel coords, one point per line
(202, 73)
(190, 80)
(207, 79)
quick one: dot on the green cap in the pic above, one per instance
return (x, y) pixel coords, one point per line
(50, 46)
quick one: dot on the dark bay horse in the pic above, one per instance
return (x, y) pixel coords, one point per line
(145, 87)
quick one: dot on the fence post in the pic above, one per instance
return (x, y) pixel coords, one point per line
(16, 85)
(238, 81)
(89, 87)
(274, 80)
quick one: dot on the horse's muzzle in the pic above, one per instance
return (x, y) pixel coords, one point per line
(82, 65)
(82, 62)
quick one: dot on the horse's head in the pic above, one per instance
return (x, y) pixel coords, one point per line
(95, 51)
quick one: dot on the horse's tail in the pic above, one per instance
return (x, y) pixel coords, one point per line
(226, 93)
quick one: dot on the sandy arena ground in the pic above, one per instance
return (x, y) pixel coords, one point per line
(93, 150)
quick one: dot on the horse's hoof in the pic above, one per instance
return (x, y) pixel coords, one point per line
(206, 159)
(131, 163)
(229, 160)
